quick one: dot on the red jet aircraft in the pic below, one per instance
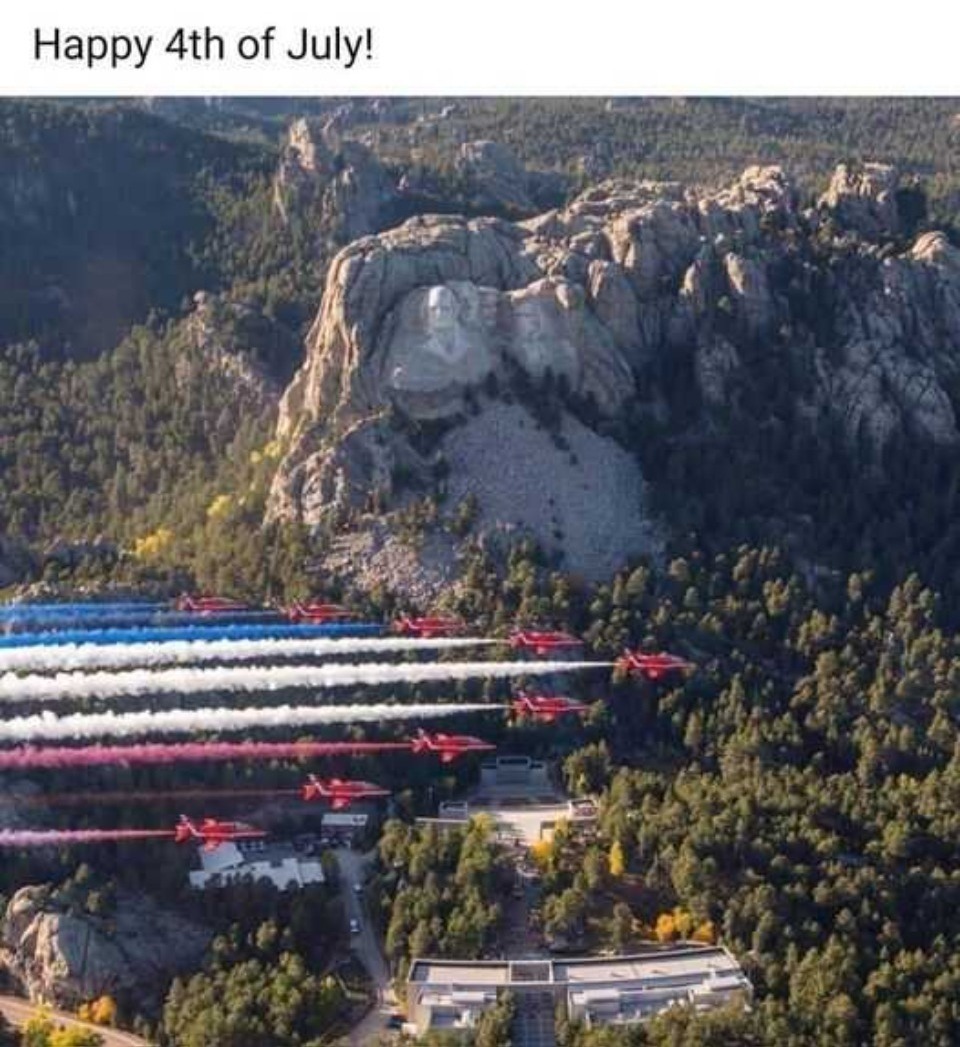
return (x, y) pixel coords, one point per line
(212, 833)
(546, 708)
(320, 613)
(429, 627)
(341, 792)
(448, 746)
(542, 642)
(210, 605)
(652, 666)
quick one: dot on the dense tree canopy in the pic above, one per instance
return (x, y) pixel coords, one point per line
(441, 890)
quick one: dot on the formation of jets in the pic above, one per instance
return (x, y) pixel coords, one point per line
(210, 833)
(538, 642)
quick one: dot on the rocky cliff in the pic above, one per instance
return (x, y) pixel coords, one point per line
(591, 307)
(68, 957)
(339, 184)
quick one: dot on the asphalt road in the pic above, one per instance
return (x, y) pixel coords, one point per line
(17, 1011)
(366, 947)
(534, 1024)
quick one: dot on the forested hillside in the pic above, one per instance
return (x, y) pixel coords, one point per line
(796, 797)
(152, 304)
(108, 214)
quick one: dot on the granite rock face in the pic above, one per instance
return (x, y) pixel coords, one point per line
(57, 954)
(430, 319)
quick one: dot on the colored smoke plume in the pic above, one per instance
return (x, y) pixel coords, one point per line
(248, 679)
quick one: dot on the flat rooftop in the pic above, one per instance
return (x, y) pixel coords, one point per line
(689, 963)
(673, 963)
(454, 972)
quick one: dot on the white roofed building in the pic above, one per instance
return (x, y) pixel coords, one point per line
(280, 864)
(615, 990)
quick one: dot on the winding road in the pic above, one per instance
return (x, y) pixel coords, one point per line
(366, 946)
(18, 1011)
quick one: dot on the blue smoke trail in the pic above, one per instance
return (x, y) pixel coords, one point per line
(202, 630)
(130, 619)
(42, 610)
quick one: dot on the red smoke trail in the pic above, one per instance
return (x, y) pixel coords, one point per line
(65, 837)
(53, 757)
(91, 799)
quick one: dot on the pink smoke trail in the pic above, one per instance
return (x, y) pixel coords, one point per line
(90, 799)
(55, 757)
(65, 837)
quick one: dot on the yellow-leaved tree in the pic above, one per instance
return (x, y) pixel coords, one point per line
(618, 864)
(41, 1030)
(103, 1011)
(665, 928)
(706, 932)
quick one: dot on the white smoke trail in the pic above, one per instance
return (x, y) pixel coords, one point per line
(48, 727)
(66, 686)
(189, 652)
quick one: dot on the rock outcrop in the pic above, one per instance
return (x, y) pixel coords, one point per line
(432, 318)
(58, 954)
(863, 197)
(496, 177)
(232, 344)
(342, 183)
